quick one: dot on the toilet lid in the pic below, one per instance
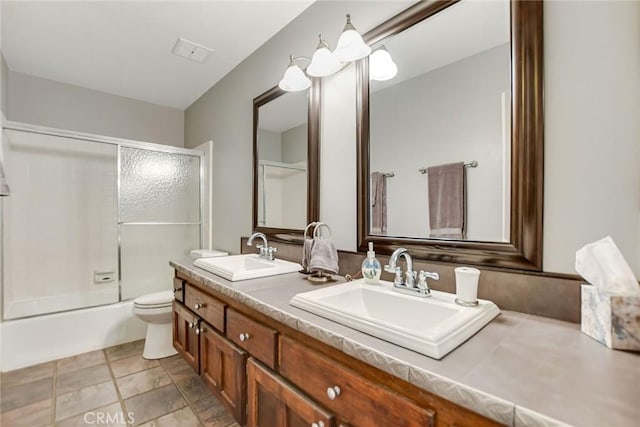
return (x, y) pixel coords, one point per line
(156, 298)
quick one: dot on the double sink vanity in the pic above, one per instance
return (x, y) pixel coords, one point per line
(261, 349)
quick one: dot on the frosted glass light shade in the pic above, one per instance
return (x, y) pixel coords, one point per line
(350, 46)
(323, 63)
(294, 79)
(381, 66)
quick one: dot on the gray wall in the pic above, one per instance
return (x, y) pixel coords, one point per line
(269, 145)
(294, 144)
(592, 179)
(447, 115)
(49, 103)
(5, 86)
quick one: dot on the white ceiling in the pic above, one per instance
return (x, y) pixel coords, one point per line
(124, 47)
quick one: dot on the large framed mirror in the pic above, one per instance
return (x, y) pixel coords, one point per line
(450, 134)
(286, 133)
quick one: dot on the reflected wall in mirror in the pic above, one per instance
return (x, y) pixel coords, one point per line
(449, 102)
(285, 160)
(450, 143)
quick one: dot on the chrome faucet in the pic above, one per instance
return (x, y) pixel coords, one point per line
(266, 252)
(408, 285)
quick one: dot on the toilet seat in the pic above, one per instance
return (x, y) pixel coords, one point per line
(155, 300)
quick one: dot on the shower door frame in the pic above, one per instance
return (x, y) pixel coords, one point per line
(119, 143)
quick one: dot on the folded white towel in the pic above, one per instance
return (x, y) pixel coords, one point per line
(324, 256)
(306, 253)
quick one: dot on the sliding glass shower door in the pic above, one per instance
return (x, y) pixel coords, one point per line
(159, 217)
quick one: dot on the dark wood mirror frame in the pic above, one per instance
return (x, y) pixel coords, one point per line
(313, 161)
(524, 251)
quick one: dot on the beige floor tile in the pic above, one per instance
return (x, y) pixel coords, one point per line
(155, 403)
(82, 378)
(32, 415)
(80, 361)
(193, 388)
(26, 375)
(125, 350)
(106, 416)
(176, 364)
(212, 413)
(132, 364)
(85, 399)
(25, 394)
(183, 417)
(143, 381)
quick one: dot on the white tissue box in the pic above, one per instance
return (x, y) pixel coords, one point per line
(612, 319)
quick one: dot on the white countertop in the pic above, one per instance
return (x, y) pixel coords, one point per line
(520, 370)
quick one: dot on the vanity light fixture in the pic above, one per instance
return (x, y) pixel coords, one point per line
(294, 79)
(381, 65)
(351, 47)
(324, 62)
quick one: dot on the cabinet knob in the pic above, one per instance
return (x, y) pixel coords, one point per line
(244, 337)
(193, 324)
(199, 331)
(318, 424)
(198, 306)
(333, 392)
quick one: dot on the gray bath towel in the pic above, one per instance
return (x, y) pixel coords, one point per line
(307, 246)
(4, 187)
(324, 256)
(446, 200)
(378, 203)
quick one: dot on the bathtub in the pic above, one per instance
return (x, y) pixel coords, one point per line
(26, 342)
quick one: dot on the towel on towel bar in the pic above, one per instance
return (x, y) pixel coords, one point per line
(378, 203)
(307, 246)
(446, 200)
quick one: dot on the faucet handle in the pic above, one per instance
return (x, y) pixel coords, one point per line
(398, 272)
(390, 268)
(422, 280)
(270, 251)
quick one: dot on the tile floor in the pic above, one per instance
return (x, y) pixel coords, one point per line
(114, 386)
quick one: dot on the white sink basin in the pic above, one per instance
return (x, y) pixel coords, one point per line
(432, 326)
(243, 267)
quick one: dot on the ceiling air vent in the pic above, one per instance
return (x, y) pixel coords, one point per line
(190, 50)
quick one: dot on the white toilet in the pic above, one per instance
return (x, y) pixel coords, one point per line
(155, 309)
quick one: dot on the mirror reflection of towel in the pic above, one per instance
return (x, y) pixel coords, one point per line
(4, 187)
(446, 200)
(378, 203)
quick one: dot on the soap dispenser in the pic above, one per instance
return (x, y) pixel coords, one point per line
(371, 267)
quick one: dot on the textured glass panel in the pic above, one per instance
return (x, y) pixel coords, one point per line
(60, 224)
(145, 251)
(156, 186)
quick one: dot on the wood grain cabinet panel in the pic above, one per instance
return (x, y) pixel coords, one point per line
(205, 306)
(259, 340)
(222, 367)
(357, 401)
(185, 339)
(272, 402)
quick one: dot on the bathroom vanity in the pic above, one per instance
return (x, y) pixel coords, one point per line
(272, 364)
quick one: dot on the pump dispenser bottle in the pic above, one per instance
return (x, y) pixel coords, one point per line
(371, 267)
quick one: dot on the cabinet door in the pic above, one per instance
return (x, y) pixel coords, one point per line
(185, 339)
(222, 366)
(275, 403)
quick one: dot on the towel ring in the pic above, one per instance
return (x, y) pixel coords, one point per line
(319, 225)
(306, 229)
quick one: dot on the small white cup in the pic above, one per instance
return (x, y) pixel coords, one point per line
(467, 285)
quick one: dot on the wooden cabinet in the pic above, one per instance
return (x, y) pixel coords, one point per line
(275, 403)
(205, 306)
(185, 339)
(222, 366)
(259, 340)
(359, 401)
(270, 375)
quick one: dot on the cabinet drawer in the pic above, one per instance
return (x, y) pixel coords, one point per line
(257, 339)
(356, 400)
(178, 289)
(205, 306)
